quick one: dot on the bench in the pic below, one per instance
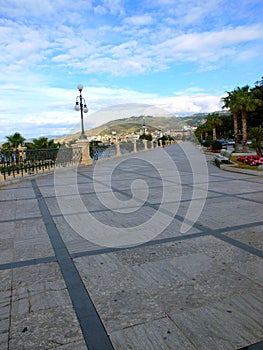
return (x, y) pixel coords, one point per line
(222, 158)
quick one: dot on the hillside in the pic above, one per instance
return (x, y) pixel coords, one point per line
(134, 125)
(156, 123)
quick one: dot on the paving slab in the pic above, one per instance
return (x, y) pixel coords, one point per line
(201, 288)
(159, 334)
(229, 324)
(41, 315)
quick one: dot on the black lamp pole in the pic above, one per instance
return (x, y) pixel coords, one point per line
(83, 108)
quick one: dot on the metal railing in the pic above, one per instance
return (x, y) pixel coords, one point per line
(15, 163)
(21, 162)
(109, 151)
(101, 152)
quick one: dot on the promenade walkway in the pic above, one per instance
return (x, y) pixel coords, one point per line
(194, 282)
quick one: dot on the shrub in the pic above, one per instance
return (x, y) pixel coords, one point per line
(216, 145)
(206, 143)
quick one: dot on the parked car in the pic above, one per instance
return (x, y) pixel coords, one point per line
(223, 143)
(231, 142)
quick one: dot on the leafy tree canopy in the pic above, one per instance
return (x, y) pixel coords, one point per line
(13, 141)
(42, 142)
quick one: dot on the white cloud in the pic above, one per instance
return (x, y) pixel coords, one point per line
(136, 104)
(114, 7)
(188, 103)
(209, 46)
(46, 10)
(53, 43)
(133, 56)
(195, 12)
(100, 10)
(141, 20)
(50, 111)
(137, 48)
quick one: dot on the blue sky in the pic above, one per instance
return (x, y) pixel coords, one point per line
(180, 56)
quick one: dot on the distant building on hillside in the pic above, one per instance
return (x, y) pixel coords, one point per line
(179, 134)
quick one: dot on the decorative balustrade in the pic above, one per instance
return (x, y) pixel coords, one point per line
(21, 162)
(119, 149)
(33, 161)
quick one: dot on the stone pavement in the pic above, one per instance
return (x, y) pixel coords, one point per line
(199, 289)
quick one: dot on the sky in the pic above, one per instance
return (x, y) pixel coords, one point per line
(180, 56)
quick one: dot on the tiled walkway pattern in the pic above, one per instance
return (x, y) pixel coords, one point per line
(198, 290)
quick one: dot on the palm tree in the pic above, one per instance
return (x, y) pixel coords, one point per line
(213, 120)
(230, 102)
(13, 141)
(42, 142)
(256, 134)
(202, 132)
(199, 133)
(247, 103)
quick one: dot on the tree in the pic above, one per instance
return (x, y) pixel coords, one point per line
(247, 101)
(147, 137)
(231, 102)
(199, 132)
(213, 120)
(256, 135)
(226, 129)
(13, 141)
(244, 100)
(256, 117)
(42, 142)
(202, 132)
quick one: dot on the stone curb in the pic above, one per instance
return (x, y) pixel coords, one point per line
(242, 171)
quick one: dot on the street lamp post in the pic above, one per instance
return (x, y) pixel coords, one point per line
(81, 105)
(144, 127)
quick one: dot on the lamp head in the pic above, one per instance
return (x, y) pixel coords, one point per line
(77, 107)
(80, 87)
(85, 108)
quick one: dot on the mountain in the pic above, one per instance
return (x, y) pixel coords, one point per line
(196, 119)
(200, 118)
(134, 125)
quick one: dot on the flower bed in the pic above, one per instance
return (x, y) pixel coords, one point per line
(250, 160)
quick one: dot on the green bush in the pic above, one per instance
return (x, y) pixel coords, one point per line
(216, 145)
(206, 143)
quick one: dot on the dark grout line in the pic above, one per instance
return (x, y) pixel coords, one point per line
(218, 233)
(146, 244)
(25, 263)
(239, 196)
(20, 219)
(256, 346)
(91, 325)
(204, 232)
(238, 244)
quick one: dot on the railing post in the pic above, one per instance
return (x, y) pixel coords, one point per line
(22, 152)
(118, 149)
(135, 146)
(145, 145)
(85, 153)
